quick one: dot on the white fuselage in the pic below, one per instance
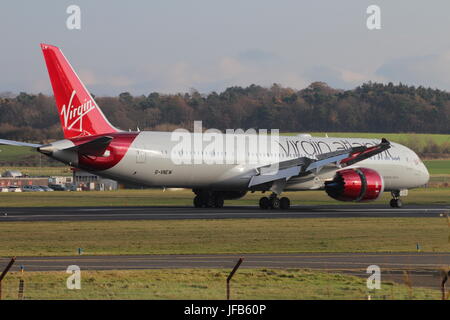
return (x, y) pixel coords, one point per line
(149, 161)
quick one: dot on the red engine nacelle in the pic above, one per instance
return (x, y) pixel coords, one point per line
(357, 184)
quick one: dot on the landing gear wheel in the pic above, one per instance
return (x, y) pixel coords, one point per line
(264, 203)
(285, 203)
(218, 202)
(208, 198)
(396, 203)
(392, 203)
(275, 203)
(210, 202)
(197, 202)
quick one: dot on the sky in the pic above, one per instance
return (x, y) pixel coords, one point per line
(175, 46)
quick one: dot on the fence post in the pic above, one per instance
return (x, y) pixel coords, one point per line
(21, 289)
(444, 280)
(231, 276)
(408, 283)
(447, 214)
(13, 259)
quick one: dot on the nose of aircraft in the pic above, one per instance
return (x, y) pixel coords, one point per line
(424, 174)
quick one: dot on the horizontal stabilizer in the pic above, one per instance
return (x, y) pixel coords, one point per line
(96, 147)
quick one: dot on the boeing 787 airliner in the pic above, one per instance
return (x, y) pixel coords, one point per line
(346, 169)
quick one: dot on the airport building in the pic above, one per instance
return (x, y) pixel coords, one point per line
(16, 179)
(79, 181)
(86, 181)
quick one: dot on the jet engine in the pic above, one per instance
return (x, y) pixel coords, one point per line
(356, 184)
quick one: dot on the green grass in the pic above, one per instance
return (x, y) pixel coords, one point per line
(39, 171)
(224, 236)
(158, 197)
(22, 156)
(438, 167)
(207, 284)
(12, 153)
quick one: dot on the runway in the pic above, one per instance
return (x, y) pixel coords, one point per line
(231, 212)
(322, 261)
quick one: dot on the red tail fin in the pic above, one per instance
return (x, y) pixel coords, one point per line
(78, 112)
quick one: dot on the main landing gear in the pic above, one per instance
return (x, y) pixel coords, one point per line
(208, 200)
(395, 201)
(273, 202)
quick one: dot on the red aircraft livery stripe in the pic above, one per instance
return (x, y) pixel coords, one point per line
(115, 151)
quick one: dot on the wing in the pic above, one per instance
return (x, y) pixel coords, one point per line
(19, 144)
(291, 168)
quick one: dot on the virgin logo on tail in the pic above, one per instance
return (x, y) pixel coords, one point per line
(75, 114)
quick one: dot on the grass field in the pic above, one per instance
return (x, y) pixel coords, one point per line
(207, 284)
(438, 167)
(158, 197)
(20, 156)
(224, 236)
(12, 153)
(40, 171)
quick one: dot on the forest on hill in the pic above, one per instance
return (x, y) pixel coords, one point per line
(371, 107)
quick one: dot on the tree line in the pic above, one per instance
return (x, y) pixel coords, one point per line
(371, 107)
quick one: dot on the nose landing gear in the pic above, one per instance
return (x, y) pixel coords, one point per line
(274, 202)
(395, 201)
